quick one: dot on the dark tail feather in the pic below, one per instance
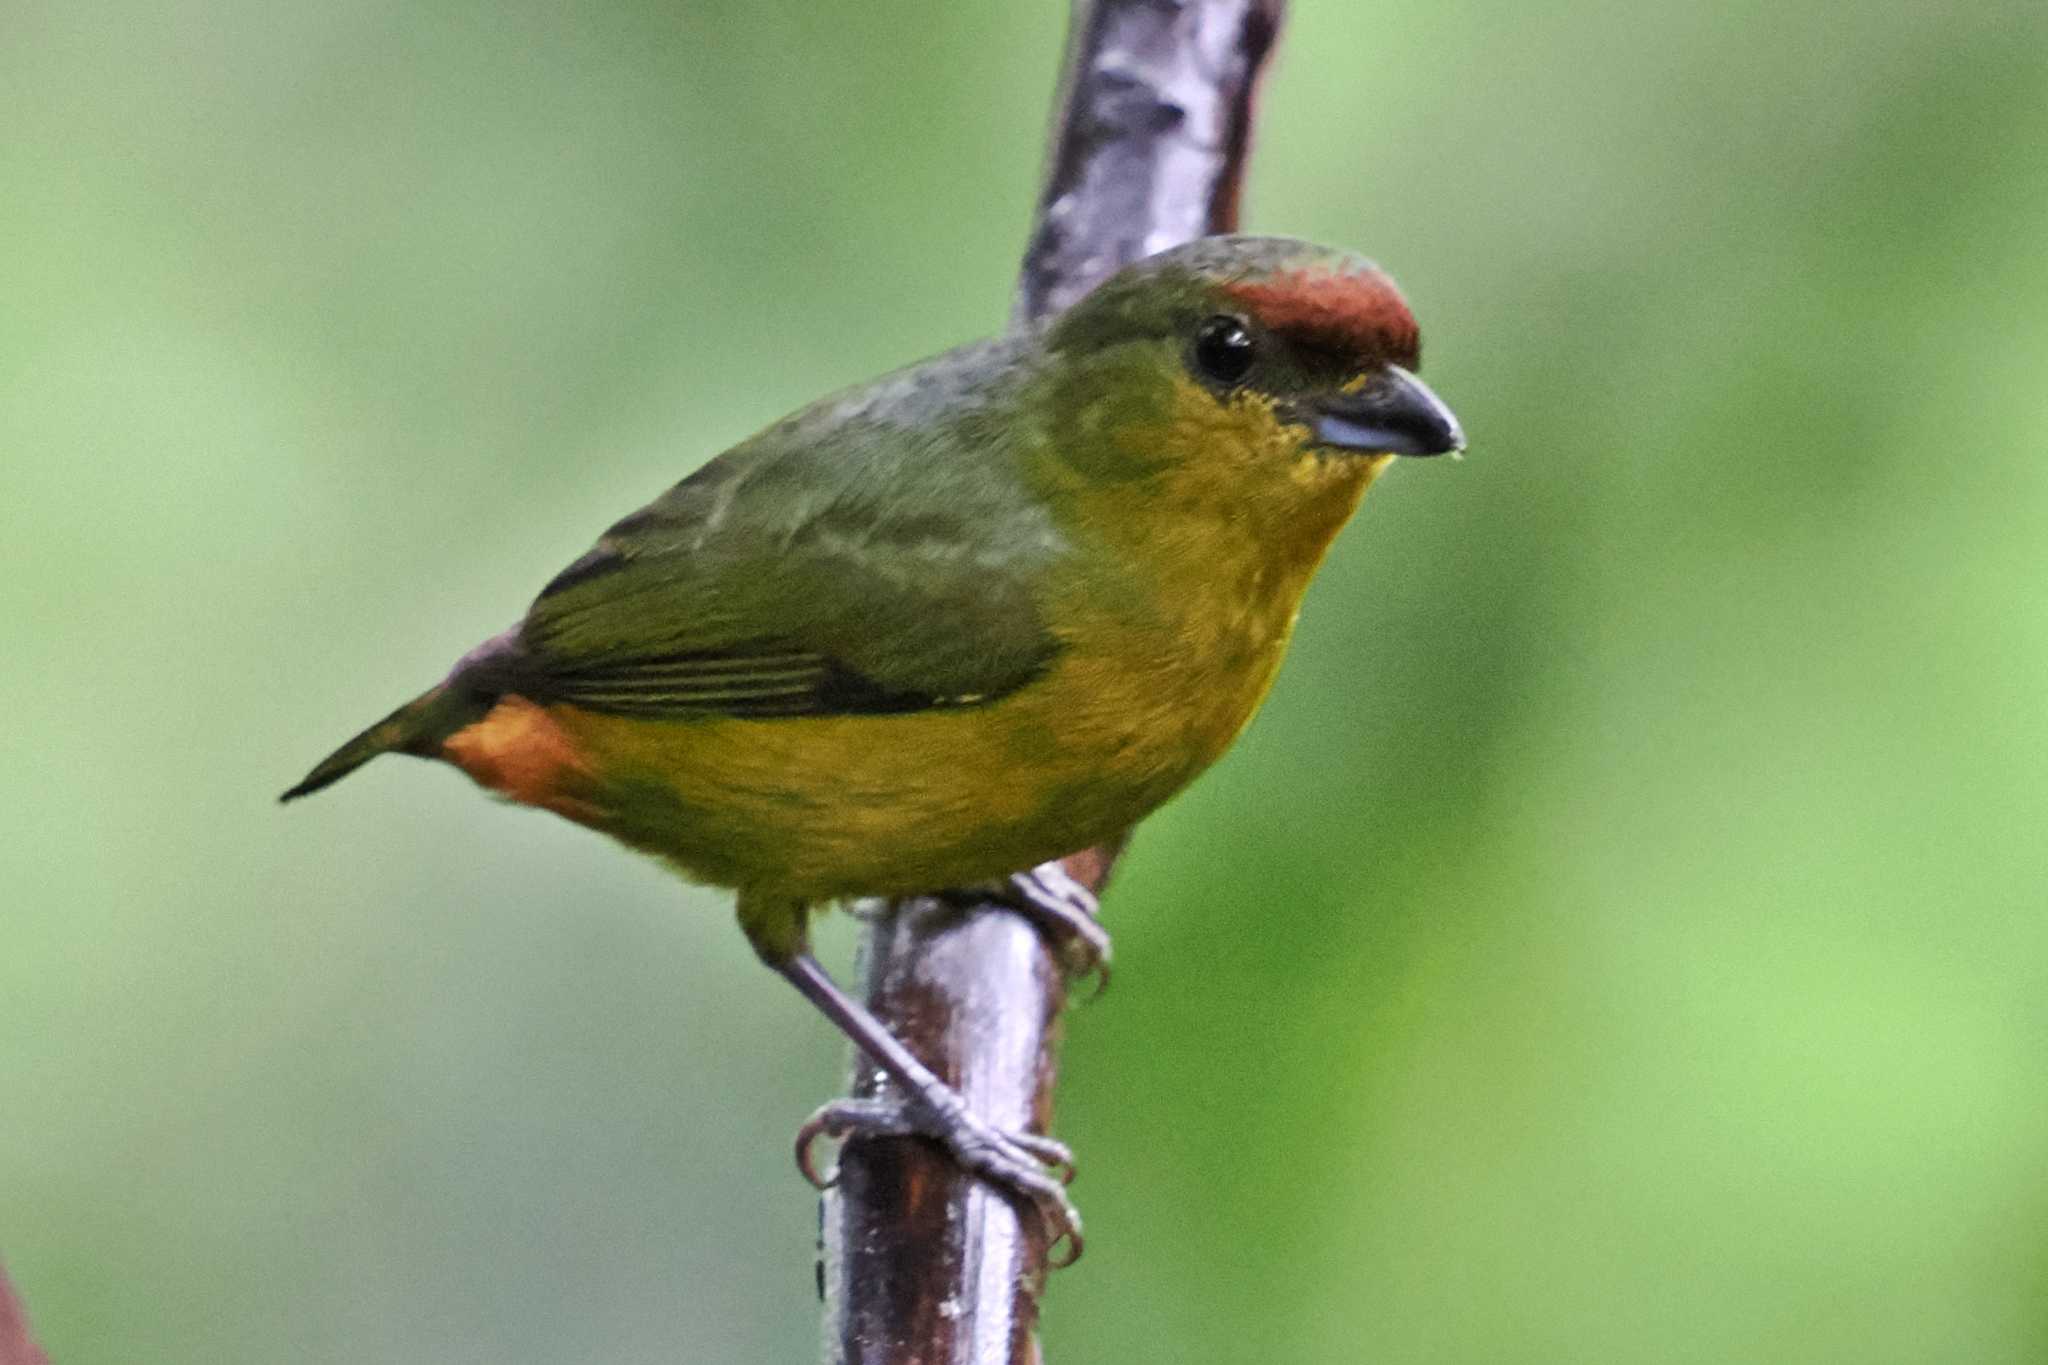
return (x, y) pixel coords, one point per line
(418, 727)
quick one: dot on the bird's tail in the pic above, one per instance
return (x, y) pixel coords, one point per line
(418, 727)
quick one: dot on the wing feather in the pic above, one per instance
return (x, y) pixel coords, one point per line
(863, 556)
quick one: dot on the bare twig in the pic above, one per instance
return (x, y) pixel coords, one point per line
(923, 1265)
(1149, 137)
(17, 1346)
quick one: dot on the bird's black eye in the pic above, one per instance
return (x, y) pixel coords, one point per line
(1223, 349)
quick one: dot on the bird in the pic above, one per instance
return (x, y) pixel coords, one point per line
(978, 614)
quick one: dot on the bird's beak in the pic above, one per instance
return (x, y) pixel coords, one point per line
(1393, 414)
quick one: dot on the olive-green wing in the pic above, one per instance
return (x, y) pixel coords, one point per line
(787, 578)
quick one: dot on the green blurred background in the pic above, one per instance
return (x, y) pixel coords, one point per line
(1622, 938)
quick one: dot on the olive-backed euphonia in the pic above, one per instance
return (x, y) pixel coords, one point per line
(963, 620)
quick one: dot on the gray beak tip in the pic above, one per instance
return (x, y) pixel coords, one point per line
(1396, 414)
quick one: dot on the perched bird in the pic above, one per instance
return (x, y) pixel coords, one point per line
(978, 614)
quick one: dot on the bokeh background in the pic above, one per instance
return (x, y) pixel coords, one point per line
(1622, 938)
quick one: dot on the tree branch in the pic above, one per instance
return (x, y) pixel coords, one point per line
(17, 1345)
(920, 1263)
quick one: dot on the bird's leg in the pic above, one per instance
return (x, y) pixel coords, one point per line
(1023, 1163)
(1060, 908)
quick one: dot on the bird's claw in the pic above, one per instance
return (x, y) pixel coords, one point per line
(1063, 910)
(1066, 912)
(829, 1121)
(1035, 1167)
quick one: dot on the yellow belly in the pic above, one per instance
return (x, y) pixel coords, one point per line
(823, 807)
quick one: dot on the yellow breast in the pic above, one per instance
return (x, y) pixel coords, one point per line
(1210, 556)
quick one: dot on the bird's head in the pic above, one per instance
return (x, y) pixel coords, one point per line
(1267, 357)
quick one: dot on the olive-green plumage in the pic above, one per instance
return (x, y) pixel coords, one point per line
(974, 615)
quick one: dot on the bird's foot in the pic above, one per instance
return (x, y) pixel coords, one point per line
(1063, 910)
(1032, 1167)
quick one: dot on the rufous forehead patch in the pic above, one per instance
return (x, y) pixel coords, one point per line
(1360, 312)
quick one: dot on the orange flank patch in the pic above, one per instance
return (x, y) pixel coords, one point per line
(1360, 312)
(520, 751)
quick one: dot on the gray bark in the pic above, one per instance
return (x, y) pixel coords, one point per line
(920, 1263)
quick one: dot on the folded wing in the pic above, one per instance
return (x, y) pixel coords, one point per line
(779, 582)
